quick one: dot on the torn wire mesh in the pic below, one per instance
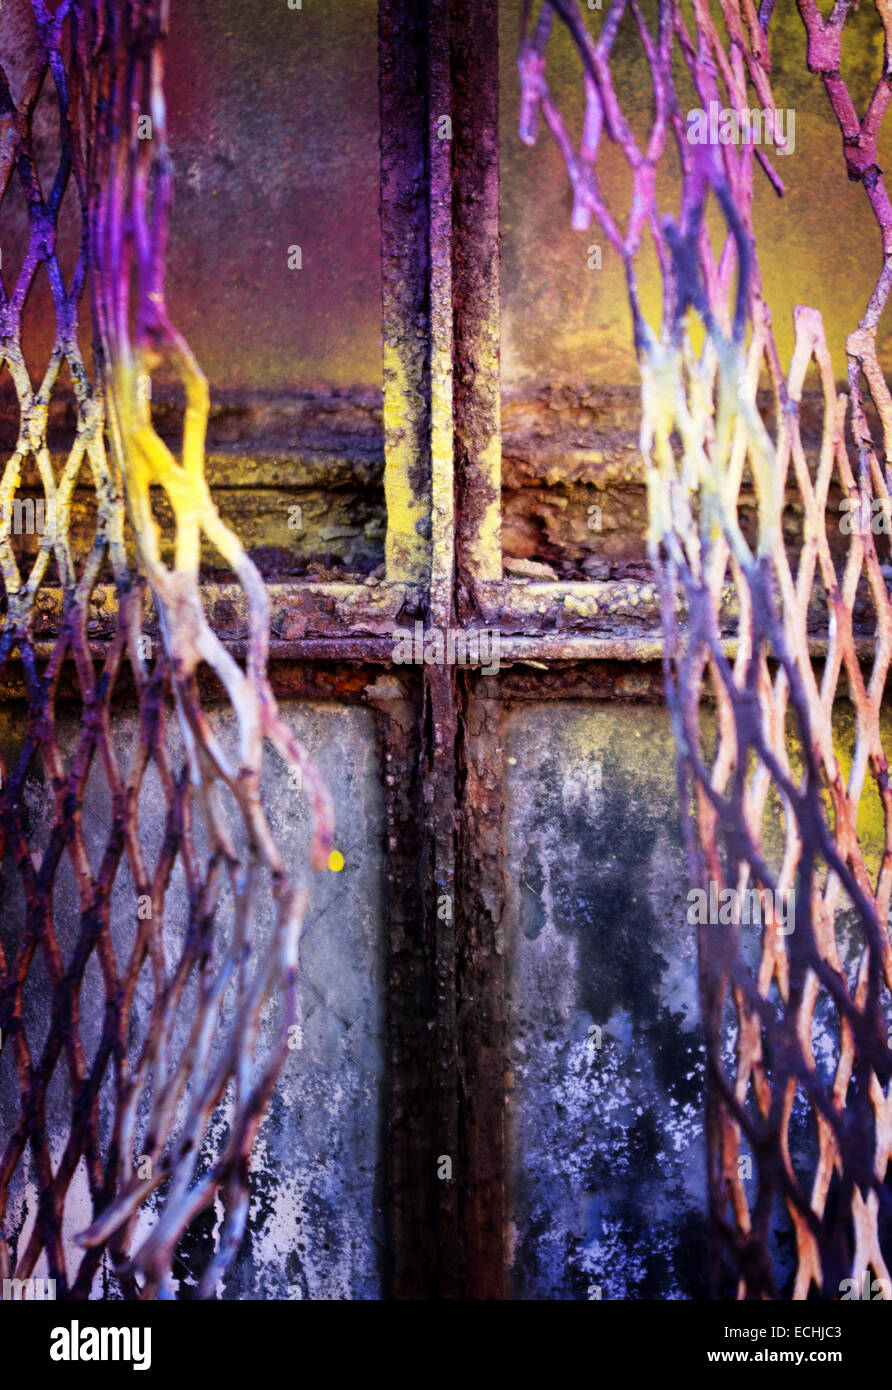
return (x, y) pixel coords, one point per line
(776, 654)
(198, 1000)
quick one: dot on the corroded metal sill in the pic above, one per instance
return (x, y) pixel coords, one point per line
(599, 620)
(527, 607)
(298, 609)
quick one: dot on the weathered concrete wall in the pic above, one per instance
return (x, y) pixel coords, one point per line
(316, 1226)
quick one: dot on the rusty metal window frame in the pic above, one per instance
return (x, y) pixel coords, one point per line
(439, 727)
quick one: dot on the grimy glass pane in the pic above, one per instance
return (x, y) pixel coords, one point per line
(606, 1064)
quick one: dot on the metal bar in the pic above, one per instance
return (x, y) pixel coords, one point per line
(440, 702)
(405, 287)
(475, 270)
(475, 71)
(410, 1116)
(482, 1025)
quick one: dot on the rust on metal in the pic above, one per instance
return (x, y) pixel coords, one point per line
(778, 750)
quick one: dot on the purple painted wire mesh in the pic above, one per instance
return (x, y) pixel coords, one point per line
(146, 989)
(777, 627)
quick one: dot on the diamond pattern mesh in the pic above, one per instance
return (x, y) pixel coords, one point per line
(117, 1146)
(769, 536)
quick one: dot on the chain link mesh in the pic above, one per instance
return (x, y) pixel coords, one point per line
(778, 637)
(198, 1000)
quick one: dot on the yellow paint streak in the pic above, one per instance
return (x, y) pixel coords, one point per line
(488, 541)
(406, 552)
(442, 476)
(149, 462)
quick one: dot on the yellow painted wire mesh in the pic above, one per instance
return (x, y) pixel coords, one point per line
(778, 633)
(186, 1090)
